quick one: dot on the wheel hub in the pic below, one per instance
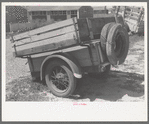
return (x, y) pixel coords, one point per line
(59, 76)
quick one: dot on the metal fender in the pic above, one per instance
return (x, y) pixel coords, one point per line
(73, 65)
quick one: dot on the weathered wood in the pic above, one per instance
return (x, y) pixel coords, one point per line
(60, 36)
(133, 13)
(45, 29)
(134, 18)
(57, 39)
(97, 25)
(131, 21)
(69, 49)
(95, 56)
(82, 56)
(47, 35)
(47, 45)
(89, 25)
(83, 30)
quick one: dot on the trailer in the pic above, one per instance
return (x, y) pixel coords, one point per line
(62, 52)
(134, 17)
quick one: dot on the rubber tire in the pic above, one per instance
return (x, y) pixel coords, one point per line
(116, 58)
(126, 27)
(104, 34)
(72, 83)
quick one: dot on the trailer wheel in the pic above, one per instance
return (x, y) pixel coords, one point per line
(126, 27)
(117, 44)
(104, 34)
(60, 79)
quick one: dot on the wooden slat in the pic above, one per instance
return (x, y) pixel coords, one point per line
(134, 13)
(45, 48)
(47, 45)
(131, 21)
(47, 41)
(45, 28)
(69, 49)
(133, 17)
(47, 35)
(21, 36)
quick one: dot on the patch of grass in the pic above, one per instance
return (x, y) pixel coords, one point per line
(23, 89)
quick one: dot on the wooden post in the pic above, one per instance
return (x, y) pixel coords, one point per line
(90, 28)
(48, 16)
(30, 16)
(139, 18)
(124, 12)
(68, 14)
(117, 11)
(78, 14)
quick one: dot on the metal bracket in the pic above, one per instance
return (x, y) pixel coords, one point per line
(78, 38)
(90, 29)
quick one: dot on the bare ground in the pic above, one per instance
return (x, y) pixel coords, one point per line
(124, 83)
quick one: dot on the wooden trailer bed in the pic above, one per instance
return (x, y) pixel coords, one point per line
(67, 33)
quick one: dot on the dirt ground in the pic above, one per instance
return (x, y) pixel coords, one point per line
(124, 83)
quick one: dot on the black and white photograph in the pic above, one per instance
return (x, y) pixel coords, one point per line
(77, 56)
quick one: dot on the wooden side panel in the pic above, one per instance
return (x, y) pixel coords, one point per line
(97, 25)
(83, 30)
(45, 29)
(54, 43)
(82, 56)
(47, 35)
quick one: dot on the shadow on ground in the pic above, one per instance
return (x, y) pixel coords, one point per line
(111, 87)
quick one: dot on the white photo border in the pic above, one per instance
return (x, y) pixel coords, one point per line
(66, 111)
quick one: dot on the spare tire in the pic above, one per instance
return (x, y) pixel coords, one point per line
(117, 44)
(104, 34)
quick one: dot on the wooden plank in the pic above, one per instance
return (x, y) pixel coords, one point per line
(83, 30)
(131, 21)
(134, 18)
(134, 13)
(48, 45)
(45, 28)
(58, 32)
(82, 56)
(48, 41)
(22, 35)
(97, 25)
(65, 50)
(94, 55)
(90, 28)
(45, 48)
